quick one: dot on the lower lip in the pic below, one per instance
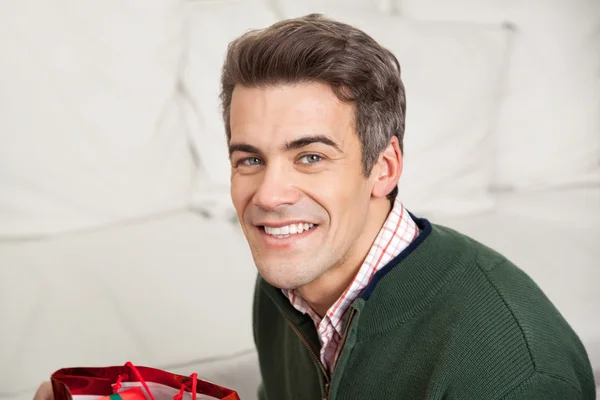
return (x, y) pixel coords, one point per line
(288, 241)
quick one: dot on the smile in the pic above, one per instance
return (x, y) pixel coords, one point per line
(282, 232)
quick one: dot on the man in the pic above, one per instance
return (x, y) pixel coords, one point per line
(356, 297)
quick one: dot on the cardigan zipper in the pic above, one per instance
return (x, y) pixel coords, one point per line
(345, 333)
(347, 328)
(314, 356)
(314, 353)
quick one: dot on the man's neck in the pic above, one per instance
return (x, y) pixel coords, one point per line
(324, 291)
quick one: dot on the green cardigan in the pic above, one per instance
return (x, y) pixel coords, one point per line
(447, 319)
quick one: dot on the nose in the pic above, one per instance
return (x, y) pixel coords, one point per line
(276, 189)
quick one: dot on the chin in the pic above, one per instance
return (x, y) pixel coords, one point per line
(285, 277)
(281, 282)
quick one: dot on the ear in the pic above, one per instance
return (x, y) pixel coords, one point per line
(386, 172)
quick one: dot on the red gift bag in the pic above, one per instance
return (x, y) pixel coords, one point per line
(129, 382)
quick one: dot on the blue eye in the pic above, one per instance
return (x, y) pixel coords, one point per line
(251, 161)
(310, 159)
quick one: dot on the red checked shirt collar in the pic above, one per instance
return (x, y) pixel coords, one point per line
(398, 231)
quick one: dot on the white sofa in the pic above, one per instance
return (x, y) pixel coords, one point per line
(117, 238)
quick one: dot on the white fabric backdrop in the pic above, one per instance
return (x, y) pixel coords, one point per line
(548, 129)
(91, 130)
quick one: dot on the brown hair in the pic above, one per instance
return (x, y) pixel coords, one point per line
(317, 49)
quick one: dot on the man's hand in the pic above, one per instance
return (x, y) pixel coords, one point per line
(44, 392)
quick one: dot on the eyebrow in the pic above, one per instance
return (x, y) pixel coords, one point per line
(247, 148)
(293, 145)
(307, 140)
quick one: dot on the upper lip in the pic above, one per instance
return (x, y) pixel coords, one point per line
(279, 224)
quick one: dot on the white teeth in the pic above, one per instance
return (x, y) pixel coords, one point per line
(284, 231)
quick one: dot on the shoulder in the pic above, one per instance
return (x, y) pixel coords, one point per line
(516, 323)
(490, 317)
(544, 386)
(555, 349)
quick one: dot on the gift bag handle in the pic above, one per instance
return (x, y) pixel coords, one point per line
(194, 378)
(138, 376)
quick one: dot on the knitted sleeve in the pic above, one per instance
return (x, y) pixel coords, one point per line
(542, 386)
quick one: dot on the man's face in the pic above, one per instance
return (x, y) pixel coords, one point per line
(297, 182)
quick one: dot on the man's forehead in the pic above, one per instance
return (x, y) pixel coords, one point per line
(288, 112)
(304, 102)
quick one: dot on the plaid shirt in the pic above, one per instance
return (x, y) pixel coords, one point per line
(398, 231)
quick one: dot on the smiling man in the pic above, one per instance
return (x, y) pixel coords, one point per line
(356, 297)
(308, 219)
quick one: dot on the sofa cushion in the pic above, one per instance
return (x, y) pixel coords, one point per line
(91, 130)
(548, 127)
